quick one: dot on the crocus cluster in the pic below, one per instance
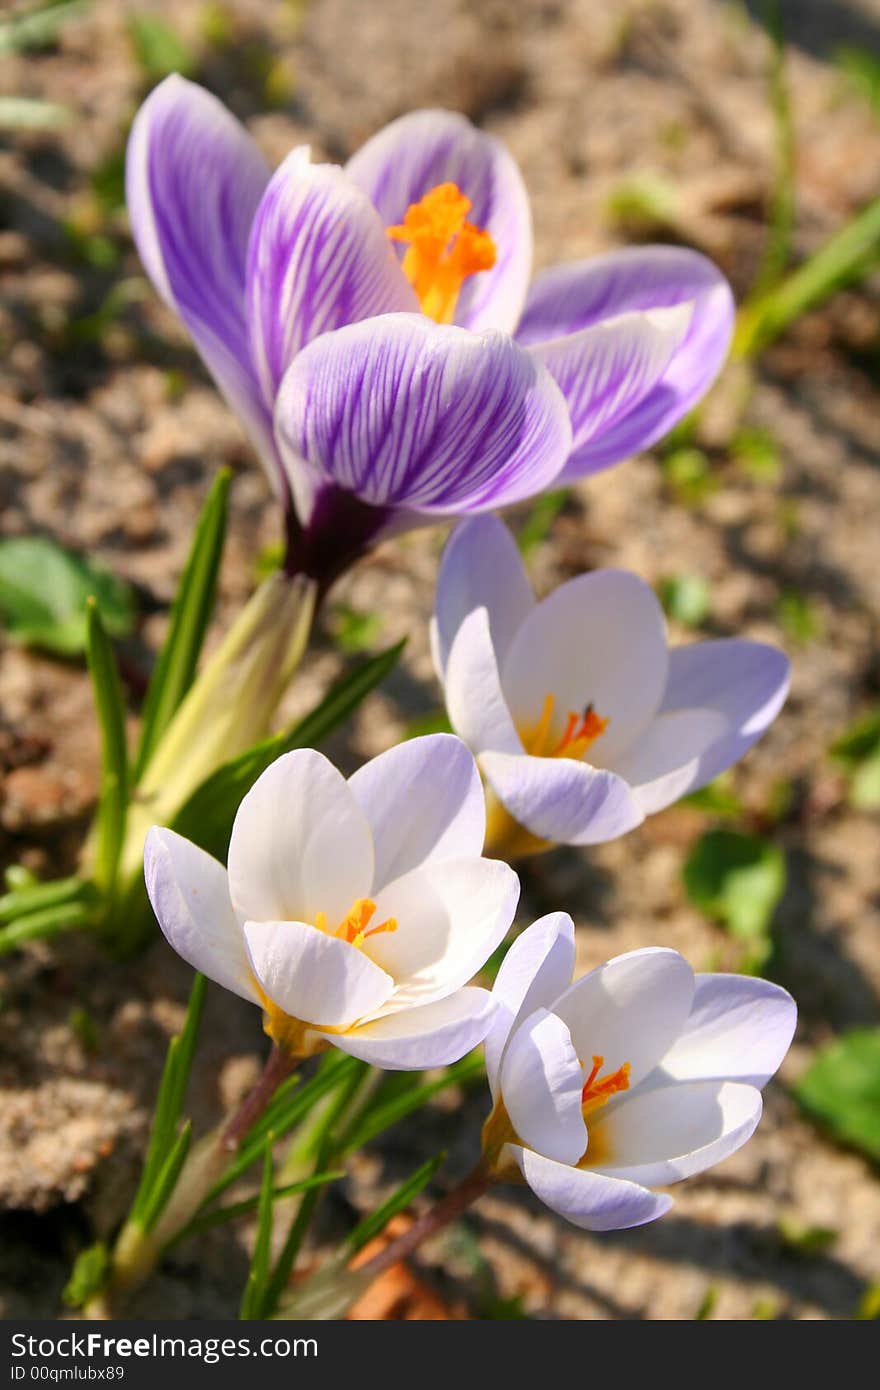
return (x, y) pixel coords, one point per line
(376, 329)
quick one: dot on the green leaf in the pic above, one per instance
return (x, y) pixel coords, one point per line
(166, 1178)
(51, 921)
(799, 617)
(864, 789)
(110, 709)
(88, 1276)
(36, 896)
(858, 742)
(164, 1137)
(435, 722)
(686, 598)
(159, 50)
(803, 1239)
(206, 818)
(862, 69)
(44, 594)
(841, 1090)
(388, 1110)
(258, 1274)
(869, 1304)
(689, 473)
(737, 879)
(397, 1202)
(716, 799)
(539, 521)
(755, 450)
(221, 1215)
(190, 614)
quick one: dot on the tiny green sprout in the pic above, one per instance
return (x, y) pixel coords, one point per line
(707, 1304)
(799, 617)
(755, 451)
(689, 474)
(84, 1029)
(354, 630)
(800, 1238)
(686, 598)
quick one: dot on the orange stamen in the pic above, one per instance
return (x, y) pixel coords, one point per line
(599, 1089)
(581, 730)
(444, 249)
(353, 927)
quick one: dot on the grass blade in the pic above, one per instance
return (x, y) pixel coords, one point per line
(166, 1178)
(382, 1114)
(38, 896)
(51, 921)
(397, 1202)
(110, 707)
(190, 613)
(258, 1275)
(248, 1204)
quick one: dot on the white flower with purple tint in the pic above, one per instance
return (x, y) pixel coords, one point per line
(582, 720)
(430, 220)
(638, 1075)
(354, 912)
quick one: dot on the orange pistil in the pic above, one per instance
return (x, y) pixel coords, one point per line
(581, 730)
(353, 927)
(599, 1089)
(443, 249)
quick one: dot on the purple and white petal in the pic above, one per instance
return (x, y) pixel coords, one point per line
(560, 800)
(664, 762)
(424, 800)
(315, 977)
(189, 892)
(194, 180)
(606, 370)
(536, 970)
(407, 413)
(599, 639)
(589, 1200)
(300, 844)
(631, 1009)
(433, 1035)
(664, 1134)
(739, 1029)
(414, 154)
(746, 682)
(474, 699)
(481, 568)
(541, 1084)
(451, 914)
(570, 298)
(318, 258)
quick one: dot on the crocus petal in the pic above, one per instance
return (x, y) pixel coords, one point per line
(300, 844)
(535, 971)
(477, 708)
(411, 414)
(747, 682)
(433, 1035)
(606, 370)
(194, 179)
(541, 1084)
(189, 891)
(570, 298)
(481, 568)
(739, 1029)
(589, 1200)
(315, 977)
(424, 800)
(318, 258)
(451, 914)
(631, 1009)
(414, 154)
(665, 1134)
(560, 800)
(664, 762)
(599, 639)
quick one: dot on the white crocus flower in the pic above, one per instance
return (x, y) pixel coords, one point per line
(582, 720)
(354, 912)
(639, 1074)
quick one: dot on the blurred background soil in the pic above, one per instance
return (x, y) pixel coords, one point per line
(630, 121)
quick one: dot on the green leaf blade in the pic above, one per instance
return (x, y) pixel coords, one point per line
(110, 708)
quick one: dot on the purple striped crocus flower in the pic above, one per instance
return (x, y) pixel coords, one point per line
(376, 330)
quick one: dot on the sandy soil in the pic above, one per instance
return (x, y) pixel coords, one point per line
(109, 445)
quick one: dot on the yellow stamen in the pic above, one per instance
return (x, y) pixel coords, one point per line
(444, 249)
(353, 927)
(598, 1090)
(581, 731)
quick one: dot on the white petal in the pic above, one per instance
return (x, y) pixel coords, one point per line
(315, 977)
(477, 708)
(664, 762)
(451, 915)
(481, 568)
(631, 1009)
(589, 1200)
(189, 891)
(739, 1029)
(541, 1085)
(535, 971)
(664, 1135)
(560, 800)
(300, 844)
(434, 1035)
(599, 639)
(424, 800)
